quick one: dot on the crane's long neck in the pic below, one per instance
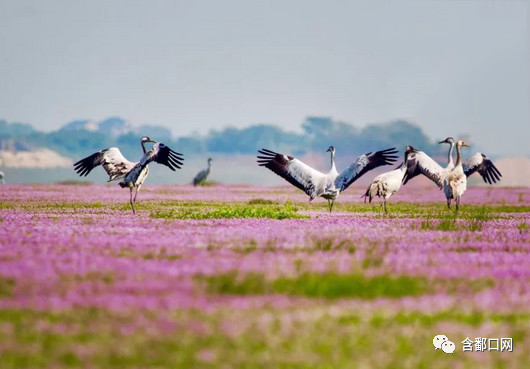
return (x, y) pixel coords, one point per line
(143, 147)
(450, 155)
(458, 157)
(333, 168)
(403, 166)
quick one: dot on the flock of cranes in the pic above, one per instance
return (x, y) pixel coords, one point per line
(452, 179)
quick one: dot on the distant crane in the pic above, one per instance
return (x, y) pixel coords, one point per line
(200, 178)
(315, 183)
(2, 176)
(133, 174)
(388, 183)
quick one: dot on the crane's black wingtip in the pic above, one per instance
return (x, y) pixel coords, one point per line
(79, 162)
(265, 156)
(176, 153)
(267, 152)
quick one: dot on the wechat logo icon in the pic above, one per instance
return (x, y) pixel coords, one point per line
(441, 341)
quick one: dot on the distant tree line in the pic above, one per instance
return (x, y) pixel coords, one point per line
(80, 138)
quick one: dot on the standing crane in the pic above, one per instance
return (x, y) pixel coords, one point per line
(2, 176)
(315, 183)
(455, 183)
(200, 178)
(449, 179)
(477, 163)
(421, 163)
(133, 174)
(388, 183)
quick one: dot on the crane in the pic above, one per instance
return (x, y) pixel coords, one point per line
(477, 163)
(200, 178)
(421, 163)
(315, 183)
(132, 174)
(455, 183)
(388, 183)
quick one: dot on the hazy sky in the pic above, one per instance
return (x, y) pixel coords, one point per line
(452, 66)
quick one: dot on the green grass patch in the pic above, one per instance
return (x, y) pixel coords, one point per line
(331, 244)
(92, 276)
(253, 338)
(272, 209)
(466, 249)
(63, 205)
(260, 201)
(75, 205)
(449, 225)
(372, 261)
(475, 318)
(327, 285)
(423, 209)
(7, 285)
(208, 184)
(161, 254)
(74, 182)
(314, 245)
(224, 211)
(471, 221)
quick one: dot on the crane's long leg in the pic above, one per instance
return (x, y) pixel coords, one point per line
(330, 203)
(384, 202)
(131, 200)
(449, 204)
(457, 202)
(136, 193)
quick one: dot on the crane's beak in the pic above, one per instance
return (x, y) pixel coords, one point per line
(444, 141)
(328, 150)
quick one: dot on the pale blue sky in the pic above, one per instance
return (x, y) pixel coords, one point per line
(452, 66)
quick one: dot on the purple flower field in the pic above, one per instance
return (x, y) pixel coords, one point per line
(258, 277)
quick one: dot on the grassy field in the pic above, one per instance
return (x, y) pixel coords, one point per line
(256, 277)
